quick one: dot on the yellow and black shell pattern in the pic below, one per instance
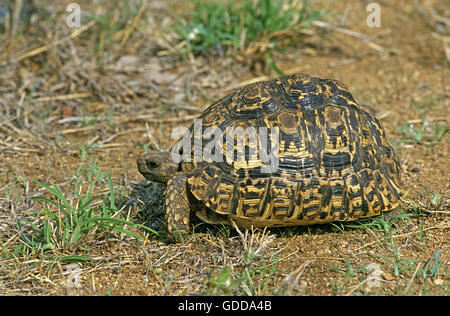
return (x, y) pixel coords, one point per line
(334, 162)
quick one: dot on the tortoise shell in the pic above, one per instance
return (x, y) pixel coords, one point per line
(333, 161)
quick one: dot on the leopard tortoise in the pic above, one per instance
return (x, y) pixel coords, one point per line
(333, 162)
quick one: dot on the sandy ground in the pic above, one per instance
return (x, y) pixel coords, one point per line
(109, 90)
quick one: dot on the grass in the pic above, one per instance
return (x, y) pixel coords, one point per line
(73, 219)
(429, 132)
(392, 269)
(109, 30)
(254, 29)
(434, 267)
(426, 133)
(387, 230)
(385, 224)
(397, 263)
(221, 282)
(250, 277)
(70, 214)
(71, 222)
(348, 272)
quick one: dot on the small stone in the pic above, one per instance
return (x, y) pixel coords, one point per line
(387, 276)
(438, 281)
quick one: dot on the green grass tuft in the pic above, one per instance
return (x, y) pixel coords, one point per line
(69, 222)
(248, 27)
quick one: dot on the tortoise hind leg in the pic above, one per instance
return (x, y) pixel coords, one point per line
(177, 208)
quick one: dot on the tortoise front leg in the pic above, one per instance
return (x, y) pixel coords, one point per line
(177, 207)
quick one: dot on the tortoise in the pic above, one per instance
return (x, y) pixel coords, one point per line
(332, 162)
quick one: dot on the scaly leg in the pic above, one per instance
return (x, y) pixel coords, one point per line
(177, 207)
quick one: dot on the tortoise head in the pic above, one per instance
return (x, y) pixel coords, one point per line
(157, 166)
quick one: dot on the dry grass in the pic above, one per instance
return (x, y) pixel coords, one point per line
(76, 103)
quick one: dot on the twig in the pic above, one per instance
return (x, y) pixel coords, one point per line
(41, 49)
(147, 118)
(287, 281)
(246, 82)
(445, 42)
(215, 244)
(132, 26)
(435, 16)
(406, 234)
(432, 119)
(357, 286)
(63, 97)
(16, 19)
(77, 130)
(365, 38)
(411, 280)
(152, 139)
(423, 207)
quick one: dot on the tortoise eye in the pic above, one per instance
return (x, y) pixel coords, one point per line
(152, 164)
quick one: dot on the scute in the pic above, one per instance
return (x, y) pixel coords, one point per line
(334, 160)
